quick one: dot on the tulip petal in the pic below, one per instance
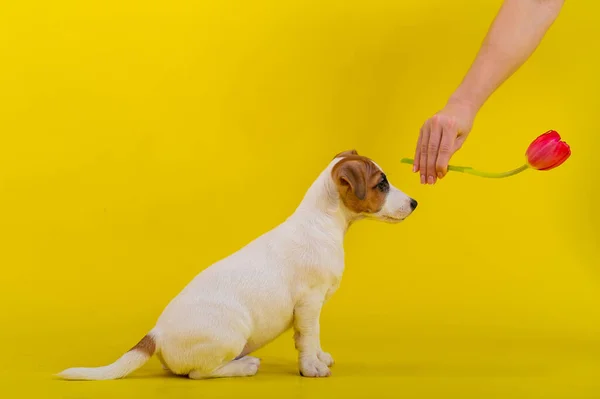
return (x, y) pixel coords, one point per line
(547, 151)
(561, 153)
(550, 135)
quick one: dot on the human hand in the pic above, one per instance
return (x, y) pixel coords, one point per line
(441, 136)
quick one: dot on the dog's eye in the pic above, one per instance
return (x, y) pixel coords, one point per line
(383, 184)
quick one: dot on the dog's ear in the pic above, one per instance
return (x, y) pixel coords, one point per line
(346, 154)
(352, 175)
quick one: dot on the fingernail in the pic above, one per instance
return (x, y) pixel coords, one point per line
(440, 175)
(422, 179)
(430, 180)
(414, 168)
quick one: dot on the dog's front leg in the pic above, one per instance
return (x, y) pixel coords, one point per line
(312, 361)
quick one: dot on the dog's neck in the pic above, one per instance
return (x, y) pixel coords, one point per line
(322, 206)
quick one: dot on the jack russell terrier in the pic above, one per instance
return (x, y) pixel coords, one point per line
(278, 281)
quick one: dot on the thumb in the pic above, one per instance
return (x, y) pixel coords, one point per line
(458, 143)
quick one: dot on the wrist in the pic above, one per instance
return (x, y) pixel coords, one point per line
(464, 102)
(464, 106)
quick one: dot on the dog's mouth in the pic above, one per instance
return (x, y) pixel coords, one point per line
(383, 218)
(390, 219)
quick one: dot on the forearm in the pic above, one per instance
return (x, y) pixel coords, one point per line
(514, 35)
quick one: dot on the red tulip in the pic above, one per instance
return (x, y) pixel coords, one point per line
(547, 151)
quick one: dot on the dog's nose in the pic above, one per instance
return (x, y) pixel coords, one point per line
(413, 204)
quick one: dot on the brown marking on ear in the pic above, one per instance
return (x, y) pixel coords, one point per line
(147, 345)
(356, 178)
(346, 154)
(353, 175)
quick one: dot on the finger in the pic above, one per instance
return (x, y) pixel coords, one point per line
(416, 162)
(446, 149)
(423, 152)
(435, 136)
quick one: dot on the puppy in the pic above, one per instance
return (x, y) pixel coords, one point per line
(276, 282)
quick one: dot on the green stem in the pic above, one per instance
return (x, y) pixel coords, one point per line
(468, 169)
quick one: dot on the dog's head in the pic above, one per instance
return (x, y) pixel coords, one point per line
(365, 191)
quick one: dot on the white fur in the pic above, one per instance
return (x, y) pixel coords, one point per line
(239, 304)
(126, 364)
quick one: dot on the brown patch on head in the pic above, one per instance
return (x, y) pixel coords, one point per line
(346, 154)
(146, 345)
(361, 184)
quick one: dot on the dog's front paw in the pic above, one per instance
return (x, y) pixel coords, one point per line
(313, 367)
(325, 358)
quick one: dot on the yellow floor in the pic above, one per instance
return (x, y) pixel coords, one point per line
(425, 362)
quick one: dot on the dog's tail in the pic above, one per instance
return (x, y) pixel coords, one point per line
(135, 358)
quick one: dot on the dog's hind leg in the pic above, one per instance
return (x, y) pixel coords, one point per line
(210, 356)
(244, 367)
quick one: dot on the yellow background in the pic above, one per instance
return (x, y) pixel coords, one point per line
(141, 141)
